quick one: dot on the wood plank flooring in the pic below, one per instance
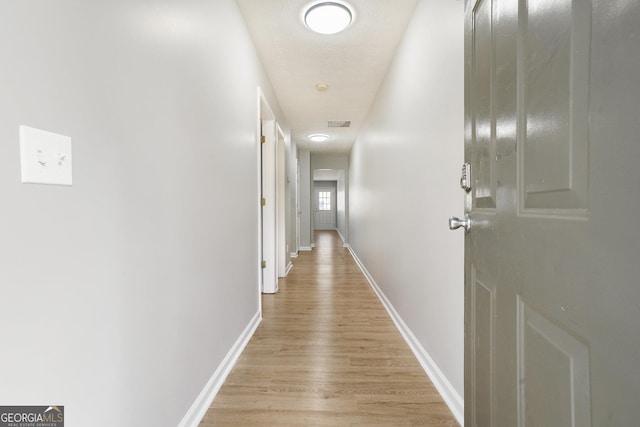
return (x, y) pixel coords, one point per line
(327, 354)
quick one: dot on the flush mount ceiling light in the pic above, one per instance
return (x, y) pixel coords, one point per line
(328, 17)
(318, 137)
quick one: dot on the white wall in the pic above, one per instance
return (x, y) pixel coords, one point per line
(121, 295)
(404, 184)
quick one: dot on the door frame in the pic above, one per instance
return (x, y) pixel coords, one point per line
(331, 186)
(266, 173)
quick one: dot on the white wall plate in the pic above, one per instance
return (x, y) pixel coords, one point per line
(45, 157)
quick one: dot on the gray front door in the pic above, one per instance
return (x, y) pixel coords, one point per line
(552, 260)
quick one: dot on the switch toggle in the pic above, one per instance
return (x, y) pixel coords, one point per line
(45, 157)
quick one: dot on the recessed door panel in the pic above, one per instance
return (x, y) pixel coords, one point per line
(483, 296)
(553, 373)
(483, 143)
(554, 76)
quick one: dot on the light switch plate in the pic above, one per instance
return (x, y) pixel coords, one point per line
(45, 157)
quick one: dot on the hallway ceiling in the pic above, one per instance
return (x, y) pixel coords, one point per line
(352, 63)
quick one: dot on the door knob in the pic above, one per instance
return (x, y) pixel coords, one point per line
(455, 223)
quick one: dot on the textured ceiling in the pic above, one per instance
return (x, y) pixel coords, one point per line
(353, 63)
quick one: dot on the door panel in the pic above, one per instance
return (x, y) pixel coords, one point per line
(554, 86)
(552, 308)
(547, 354)
(484, 306)
(483, 141)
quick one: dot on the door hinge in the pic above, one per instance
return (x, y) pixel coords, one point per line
(263, 264)
(263, 139)
(263, 201)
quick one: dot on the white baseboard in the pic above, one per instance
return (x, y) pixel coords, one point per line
(196, 413)
(293, 254)
(306, 248)
(288, 269)
(452, 398)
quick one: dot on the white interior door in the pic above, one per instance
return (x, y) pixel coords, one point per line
(268, 166)
(298, 208)
(552, 301)
(325, 208)
(282, 255)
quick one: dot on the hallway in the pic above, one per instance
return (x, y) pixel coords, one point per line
(327, 354)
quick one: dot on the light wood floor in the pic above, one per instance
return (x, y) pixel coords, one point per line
(327, 354)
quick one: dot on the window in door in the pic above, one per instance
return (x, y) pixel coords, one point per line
(324, 200)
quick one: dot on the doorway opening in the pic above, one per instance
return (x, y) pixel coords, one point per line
(267, 190)
(329, 201)
(324, 205)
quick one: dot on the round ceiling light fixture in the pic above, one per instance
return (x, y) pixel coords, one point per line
(328, 17)
(318, 137)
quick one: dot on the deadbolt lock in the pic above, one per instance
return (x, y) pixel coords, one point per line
(465, 179)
